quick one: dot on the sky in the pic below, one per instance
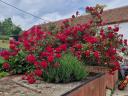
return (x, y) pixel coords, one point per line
(50, 10)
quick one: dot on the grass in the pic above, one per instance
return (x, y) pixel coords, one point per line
(4, 44)
(3, 74)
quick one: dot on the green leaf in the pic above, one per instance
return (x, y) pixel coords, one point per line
(1, 60)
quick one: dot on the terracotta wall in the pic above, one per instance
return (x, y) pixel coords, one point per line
(110, 79)
(94, 88)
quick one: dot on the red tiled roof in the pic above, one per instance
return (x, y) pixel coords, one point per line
(111, 16)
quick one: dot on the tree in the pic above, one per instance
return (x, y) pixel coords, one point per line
(16, 30)
(7, 27)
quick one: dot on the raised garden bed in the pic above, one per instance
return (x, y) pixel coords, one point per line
(110, 79)
(94, 85)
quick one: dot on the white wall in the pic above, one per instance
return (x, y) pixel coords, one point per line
(124, 30)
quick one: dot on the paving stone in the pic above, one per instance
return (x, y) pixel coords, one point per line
(10, 88)
(121, 92)
(108, 92)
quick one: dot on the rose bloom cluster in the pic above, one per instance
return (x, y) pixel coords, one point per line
(89, 42)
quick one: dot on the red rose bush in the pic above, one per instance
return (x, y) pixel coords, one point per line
(43, 54)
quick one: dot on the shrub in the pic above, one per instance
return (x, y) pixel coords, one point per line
(4, 37)
(3, 74)
(70, 69)
(39, 51)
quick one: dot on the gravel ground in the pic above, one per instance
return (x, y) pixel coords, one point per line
(121, 93)
(10, 88)
(48, 89)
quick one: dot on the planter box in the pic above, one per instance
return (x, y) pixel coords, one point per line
(93, 85)
(110, 79)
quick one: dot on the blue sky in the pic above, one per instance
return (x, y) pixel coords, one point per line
(50, 10)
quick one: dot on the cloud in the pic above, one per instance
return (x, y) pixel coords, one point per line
(50, 10)
(47, 9)
(117, 3)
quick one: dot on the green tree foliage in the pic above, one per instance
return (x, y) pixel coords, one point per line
(7, 27)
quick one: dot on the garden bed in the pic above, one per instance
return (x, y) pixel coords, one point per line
(94, 84)
(110, 79)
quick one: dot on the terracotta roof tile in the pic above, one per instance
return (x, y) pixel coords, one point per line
(111, 16)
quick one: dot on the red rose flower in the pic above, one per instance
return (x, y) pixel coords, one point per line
(63, 47)
(125, 42)
(110, 35)
(26, 45)
(12, 46)
(36, 64)
(87, 53)
(91, 39)
(123, 49)
(44, 54)
(44, 64)
(117, 65)
(5, 52)
(13, 53)
(58, 55)
(6, 57)
(62, 37)
(6, 66)
(12, 41)
(49, 49)
(31, 58)
(113, 58)
(78, 46)
(38, 72)
(116, 29)
(50, 59)
(58, 49)
(72, 49)
(96, 54)
(109, 28)
(31, 80)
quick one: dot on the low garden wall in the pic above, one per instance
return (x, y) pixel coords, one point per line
(110, 79)
(94, 87)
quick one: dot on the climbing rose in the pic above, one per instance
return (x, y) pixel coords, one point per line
(123, 49)
(91, 39)
(6, 57)
(87, 53)
(51, 58)
(12, 46)
(31, 80)
(58, 55)
(63, 47)
(125, 42)
(38, 72)
(49, 49)
(96, 54)
(44, 64)
(78, 46)
(116, 29)
(6, 66)
(31, 58)
(36, 64)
